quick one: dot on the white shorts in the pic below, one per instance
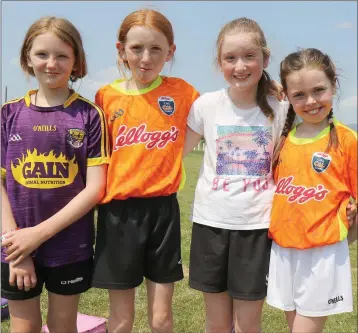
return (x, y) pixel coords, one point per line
(315, 282)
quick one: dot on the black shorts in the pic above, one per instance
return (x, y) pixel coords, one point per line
(236, 261)
(71, 279)
(137, 238)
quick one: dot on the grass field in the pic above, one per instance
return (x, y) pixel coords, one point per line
(188, 303)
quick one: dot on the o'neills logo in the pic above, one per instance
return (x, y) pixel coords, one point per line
(301, 194)
(138, 135)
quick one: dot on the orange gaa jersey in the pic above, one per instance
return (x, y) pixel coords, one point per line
(313, 188)
(147, 131)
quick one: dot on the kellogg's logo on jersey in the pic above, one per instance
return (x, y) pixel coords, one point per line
(300, 194)
(167, 105)
(138, 135)
(320, 162)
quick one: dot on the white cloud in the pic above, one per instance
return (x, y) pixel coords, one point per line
(345, 25)
(349, 102)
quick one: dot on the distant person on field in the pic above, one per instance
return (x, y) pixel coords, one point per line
(54, 151)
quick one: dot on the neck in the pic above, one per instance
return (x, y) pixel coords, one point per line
(243, 99)
(51, 97)
(309, 130)
(132, 84)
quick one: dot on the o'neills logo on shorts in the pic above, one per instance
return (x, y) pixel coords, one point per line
(301, 194)
(139, 135)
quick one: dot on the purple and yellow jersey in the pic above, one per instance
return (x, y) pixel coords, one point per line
(45, 152)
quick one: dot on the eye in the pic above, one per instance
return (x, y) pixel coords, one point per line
(297, 95)
(41, 54)
(63, 56)
(229, 58)
(251, 55)
(319, 89)
(156, 48)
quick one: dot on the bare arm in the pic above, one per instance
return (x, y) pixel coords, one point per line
(191, 140)
(22, 242)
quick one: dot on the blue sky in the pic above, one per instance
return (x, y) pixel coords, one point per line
(329, 26)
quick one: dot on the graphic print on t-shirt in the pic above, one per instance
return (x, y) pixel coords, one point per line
(243, 150)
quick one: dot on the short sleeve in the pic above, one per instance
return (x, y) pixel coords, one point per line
(350, 150)
(195, 120)
(3, 141)
(97, 147)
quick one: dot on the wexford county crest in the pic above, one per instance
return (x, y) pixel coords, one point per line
(166, 104)
(75, 137)
(320, 162)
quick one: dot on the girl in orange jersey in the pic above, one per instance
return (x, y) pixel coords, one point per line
(316, 176)
(139, 220)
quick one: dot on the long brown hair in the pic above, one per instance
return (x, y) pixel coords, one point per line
(65, 31)
(296, 61)
(265, 85)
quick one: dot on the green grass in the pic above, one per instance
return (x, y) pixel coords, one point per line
(188, 303)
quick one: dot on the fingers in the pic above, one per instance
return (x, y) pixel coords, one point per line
(13, 256)
(18, 260)
(33, 279)
(12, 278)
(20, 282)
(27, 282)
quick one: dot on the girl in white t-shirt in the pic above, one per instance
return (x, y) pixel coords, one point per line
(241, 124)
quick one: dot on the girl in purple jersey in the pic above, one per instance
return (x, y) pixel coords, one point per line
(54, 154)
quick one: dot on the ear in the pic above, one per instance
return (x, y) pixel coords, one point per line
(171, 52)
(29, 61)
(334, 88)
(266, 62)
(121, 51)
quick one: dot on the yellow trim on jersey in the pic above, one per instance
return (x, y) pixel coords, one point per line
(3, 173)
(67, 103)
(343, 231)
(302, 141)
(97, 161)
(12, 101)
(104, 129)
(28, 96)
(135, 92)
(183, 177)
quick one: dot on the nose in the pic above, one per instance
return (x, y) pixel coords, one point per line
(310, 100)
(240, 65)
(146, 56)
(51, 62)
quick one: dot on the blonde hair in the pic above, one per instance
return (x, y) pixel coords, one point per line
(265, 85)
(65, 31)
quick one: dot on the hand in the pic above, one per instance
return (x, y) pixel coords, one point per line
(277, 90)
(351, 212)
(20, 243)
(23, 275)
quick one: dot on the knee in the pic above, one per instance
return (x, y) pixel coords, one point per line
(120, 323)
(62, 322)
(246, 326)
(218, 327)
(161, 323)
(33, 326)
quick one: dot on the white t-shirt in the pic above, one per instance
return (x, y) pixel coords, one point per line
(235, 186)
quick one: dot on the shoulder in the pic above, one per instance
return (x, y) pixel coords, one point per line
(346, 135)
(176, 81)
(210, 98)
(88, 107)
(12, 106)
(279, 108)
